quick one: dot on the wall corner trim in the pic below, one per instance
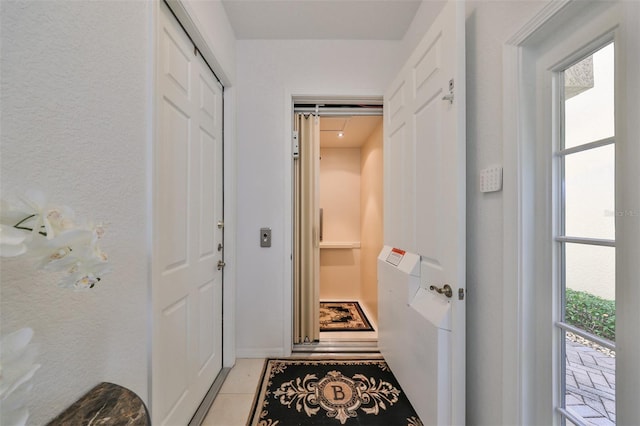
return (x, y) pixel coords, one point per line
(550, 10)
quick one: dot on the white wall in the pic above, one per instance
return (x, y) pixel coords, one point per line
(423, 18)
(74, 123)
(211, 19)
(489, 25)
(267, 73)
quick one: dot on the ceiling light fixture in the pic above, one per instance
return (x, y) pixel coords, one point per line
(340, 134)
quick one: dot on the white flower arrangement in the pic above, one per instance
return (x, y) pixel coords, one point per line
(17, 367)
(50, 234)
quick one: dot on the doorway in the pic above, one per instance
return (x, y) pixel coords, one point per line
(338, 224)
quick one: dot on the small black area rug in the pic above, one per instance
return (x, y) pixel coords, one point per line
(343, 316)
(330, 392)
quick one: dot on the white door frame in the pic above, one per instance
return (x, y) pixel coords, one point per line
(292, 96)
(518, 216)
(523, 393)
(187, 18)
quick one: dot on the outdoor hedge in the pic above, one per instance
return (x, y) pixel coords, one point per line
(591, 313)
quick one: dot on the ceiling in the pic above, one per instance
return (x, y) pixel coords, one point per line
(355, 130)
(321, 19)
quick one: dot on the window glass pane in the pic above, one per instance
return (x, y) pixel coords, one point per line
(590, 382)
(589, 99)
(590, 305)
(589, 193)
(590, 288)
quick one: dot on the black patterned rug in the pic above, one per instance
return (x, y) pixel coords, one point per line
(330, 392)
(343, 316)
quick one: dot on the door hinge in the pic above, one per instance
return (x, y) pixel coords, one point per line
(461, 294)
(220, 224)
(295, 146)
(221, 264)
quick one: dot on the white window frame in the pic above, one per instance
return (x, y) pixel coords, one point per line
(529, 389)
(559, 235)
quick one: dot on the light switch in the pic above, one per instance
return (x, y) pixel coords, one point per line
(265, 237)
(491, 179)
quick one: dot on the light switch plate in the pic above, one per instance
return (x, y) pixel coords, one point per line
(265, 237)
(491, 179)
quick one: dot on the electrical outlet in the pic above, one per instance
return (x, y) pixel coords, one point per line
(491, 179)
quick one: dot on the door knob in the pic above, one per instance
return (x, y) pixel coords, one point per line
(446, 290)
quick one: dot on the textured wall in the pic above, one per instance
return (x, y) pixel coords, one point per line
(74, 123)
(211, 18)
(489, 25)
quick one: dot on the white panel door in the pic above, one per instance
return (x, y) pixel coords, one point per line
(187, 242)
(425, 192)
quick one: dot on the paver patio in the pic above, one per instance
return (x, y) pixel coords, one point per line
(591, 384)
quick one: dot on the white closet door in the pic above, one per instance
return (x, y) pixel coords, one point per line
(187, 241)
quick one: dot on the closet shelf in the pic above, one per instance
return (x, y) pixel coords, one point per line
(340, 245)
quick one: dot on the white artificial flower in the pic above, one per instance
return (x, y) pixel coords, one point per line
(98, 231)
(9, 215)
(58, 253)
(54, 219)
(84, 274)
(49, 234)
(17, 367)
(12, 241)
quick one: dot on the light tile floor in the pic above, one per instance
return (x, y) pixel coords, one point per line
(593, 401)
(233, 404)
